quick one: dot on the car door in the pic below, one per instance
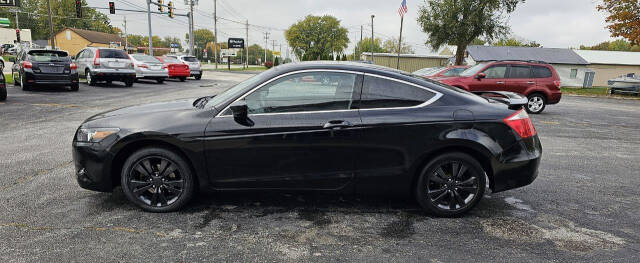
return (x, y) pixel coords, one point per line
(495, 79)
(305, 135)
(396, 128)
(520, 78)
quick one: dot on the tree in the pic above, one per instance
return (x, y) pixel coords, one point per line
(460, 22)
(617, 45)
(317, 36)
(512, 42)
(365, 46)
(34, 15)
(391, 45)
(623, 19)
(201, 37)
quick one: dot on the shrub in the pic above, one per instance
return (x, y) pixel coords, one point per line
(268, 64)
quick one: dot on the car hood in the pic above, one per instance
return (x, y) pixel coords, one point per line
(146, 109)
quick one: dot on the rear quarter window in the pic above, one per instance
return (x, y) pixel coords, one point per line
(113, 53)
(541, 72)
(385, 93)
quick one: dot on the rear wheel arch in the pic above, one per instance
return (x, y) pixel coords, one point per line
(126, 151)
(473, 151)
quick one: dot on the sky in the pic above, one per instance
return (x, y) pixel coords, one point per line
(552, 23)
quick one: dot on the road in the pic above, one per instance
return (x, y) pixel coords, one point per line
(584, 206)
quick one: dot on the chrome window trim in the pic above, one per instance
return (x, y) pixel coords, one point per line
(437, 95)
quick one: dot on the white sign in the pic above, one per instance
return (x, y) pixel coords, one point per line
(228, 53)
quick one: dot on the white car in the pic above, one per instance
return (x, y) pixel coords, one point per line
(194, 65)
(148, 67)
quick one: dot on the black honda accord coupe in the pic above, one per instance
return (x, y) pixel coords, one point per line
(344, 127)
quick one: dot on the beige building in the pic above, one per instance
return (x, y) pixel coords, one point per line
(73, 40)
(610, 64)
(408, 62)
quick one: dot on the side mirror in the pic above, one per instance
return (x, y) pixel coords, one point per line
(73, 57)
(481, 76)
(240, 112)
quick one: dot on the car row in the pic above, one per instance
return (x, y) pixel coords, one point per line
(536, 80)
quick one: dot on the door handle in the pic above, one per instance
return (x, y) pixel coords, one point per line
(337, 124)
(500, 82)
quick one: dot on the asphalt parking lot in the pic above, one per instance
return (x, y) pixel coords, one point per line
(584, 206)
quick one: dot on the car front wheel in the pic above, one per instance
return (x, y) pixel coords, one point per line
(157, 180)
(536, 103)
(450, 185)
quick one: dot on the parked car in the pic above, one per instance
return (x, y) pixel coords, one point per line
(3, 87)
(195, 67)
(357, 128)
(177, 68)
(2, 64)
(105, 64)
(625, 84)
(538, 81)
(440, 72)
(149, 67)
(34, 67)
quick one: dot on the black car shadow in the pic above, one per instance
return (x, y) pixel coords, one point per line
(48, 88)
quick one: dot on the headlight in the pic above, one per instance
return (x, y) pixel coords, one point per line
(94, 135)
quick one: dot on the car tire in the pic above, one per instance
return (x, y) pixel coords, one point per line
(199, 76)
(450, 195)
(90, 80)
(3, 93)
(183, 79)
(24, 84)
(536, 103)
(160, 80)
(75, 86)
(15, 81)
(158, 180)
(129, 82)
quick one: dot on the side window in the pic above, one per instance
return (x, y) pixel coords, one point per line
(384, 93)
(496, 72)
(519, 72)
(541, 72)
(80, 55)
(312, 91)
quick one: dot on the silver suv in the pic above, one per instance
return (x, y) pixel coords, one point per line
(194, 65)
(105, 64)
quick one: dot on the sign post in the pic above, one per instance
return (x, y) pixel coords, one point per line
(235, 43)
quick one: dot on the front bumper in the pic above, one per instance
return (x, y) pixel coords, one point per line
(92, 164)
(517, 166)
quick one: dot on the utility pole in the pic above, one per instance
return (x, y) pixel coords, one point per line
(126, 42)
(246, 44)
(372, 37)
(150, 34)
(273, 49)
(266, 42)
(361, 27)
(215, 32)
(17, 22)
(191, 38)
(53, 43)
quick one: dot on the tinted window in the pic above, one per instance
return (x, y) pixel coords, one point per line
(384, 93)
(190, 59)
(113, 53)
(313, 91)
(574, 73)
(541, 72)
(496, 72)
(519, 72)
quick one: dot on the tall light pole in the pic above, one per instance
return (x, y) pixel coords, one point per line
(215, 32)
(53, 43)
(191, 38)
(149, 21)
(372, 37)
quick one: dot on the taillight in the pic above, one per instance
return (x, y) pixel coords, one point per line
(27, 64)
(521, 124)
(557, 83)
(164, 66)
(73, 66)
(143, 66)
(96, 60)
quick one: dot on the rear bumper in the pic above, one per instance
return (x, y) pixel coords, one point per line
(554, 97)
(152, 74)
(113, 74)
(51, 79)
(517, 166)
(196, 72)
(179, 74)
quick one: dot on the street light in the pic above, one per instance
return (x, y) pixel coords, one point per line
(372, 37)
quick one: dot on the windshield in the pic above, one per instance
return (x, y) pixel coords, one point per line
(145, 58)
(190, 59)
(427, 71)
(48, 56)
(453, 72)
(235, 90)
(473, 70)
(170, 60)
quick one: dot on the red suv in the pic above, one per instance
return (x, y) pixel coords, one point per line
(538, 81)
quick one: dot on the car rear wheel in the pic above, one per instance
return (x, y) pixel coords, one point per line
(90, 80)
(3, 93)
(129, 82)
(198, 77)
(160, 80)
(157, 180)
(182, 79)
(16, 82)
(536, 103)
(75, 86)
(450, 185)
(24, 84)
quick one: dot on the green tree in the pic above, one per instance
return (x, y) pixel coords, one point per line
(34, 15)
(201, 37)
(391, 45)
(512, 42)
(317, 36)
(623, 18)
(617, 45)
(365, 46)
(460, 22)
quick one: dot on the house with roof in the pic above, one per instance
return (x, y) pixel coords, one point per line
(571, 67)
(73, 39)
(610, 64)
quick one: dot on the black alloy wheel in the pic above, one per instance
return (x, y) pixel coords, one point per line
(198, 77)
(3, 93)
(450, 185)
(129, 82)
(157, 180)
(15, 80)
(24, 84)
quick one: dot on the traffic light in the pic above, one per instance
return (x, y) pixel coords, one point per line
(171, 9)
(112, 8)
(78, 8)
(161, 6)
(18, 35)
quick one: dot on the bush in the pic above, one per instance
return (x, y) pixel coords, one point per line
(276, 62)
(268, 64)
